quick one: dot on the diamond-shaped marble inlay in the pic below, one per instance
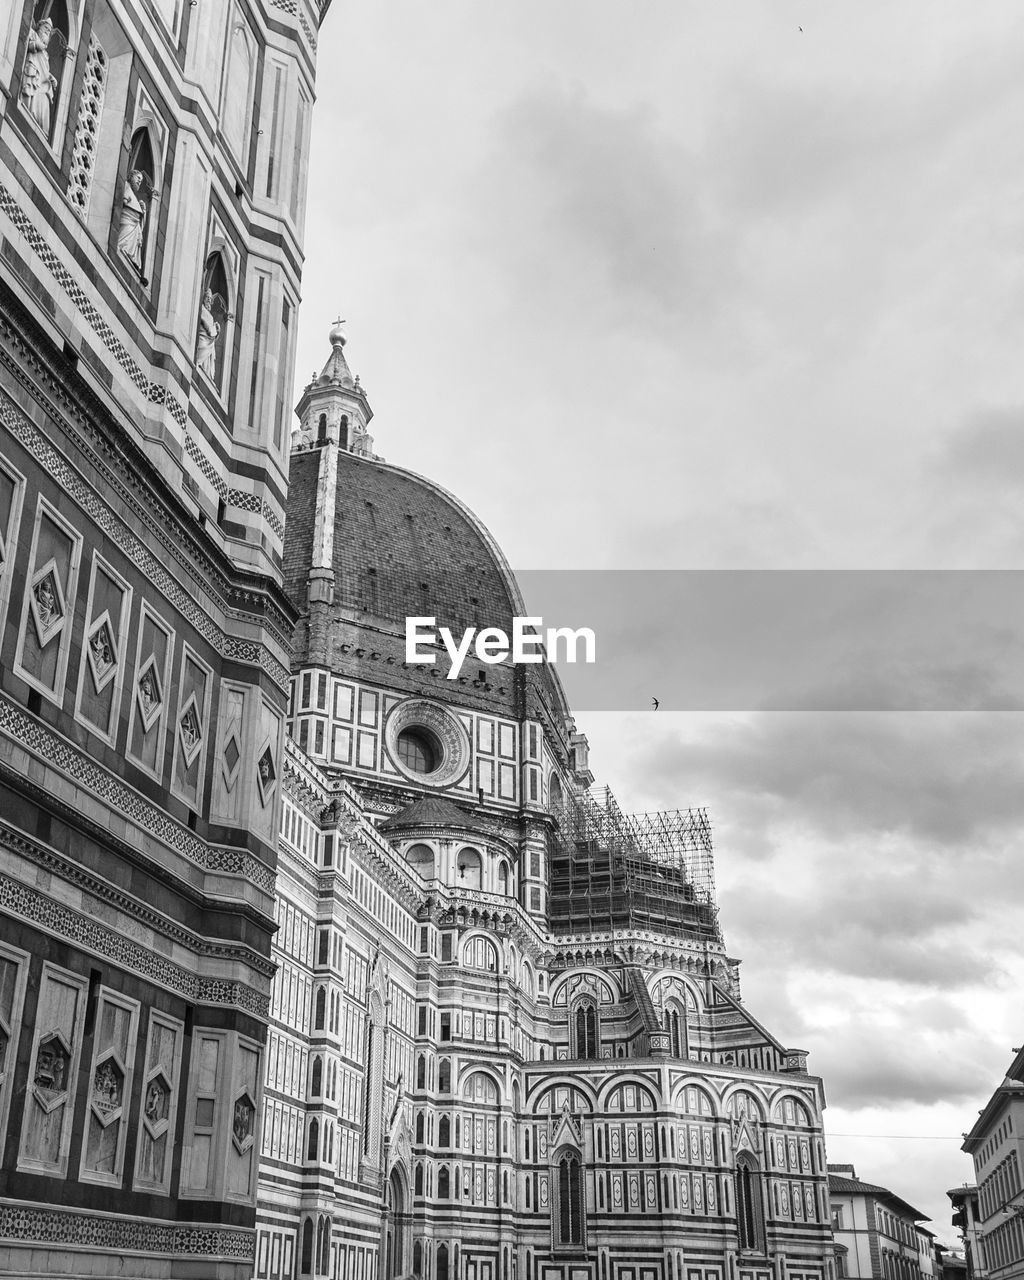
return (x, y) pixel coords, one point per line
(266, 774)
(47, 604)
(158, 1101)
(243, 1122)
(102, 655)
(149, 694)
(231, 754)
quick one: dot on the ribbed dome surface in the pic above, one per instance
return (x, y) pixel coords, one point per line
(402, 546)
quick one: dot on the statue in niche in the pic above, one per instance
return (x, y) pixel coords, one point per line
(209, 331)
(38, 84)
(133, 220)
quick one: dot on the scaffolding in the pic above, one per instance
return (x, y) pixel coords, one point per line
(648, 871)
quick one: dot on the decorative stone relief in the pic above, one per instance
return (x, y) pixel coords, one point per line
(83, 155)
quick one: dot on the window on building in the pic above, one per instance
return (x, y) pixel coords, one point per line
(568, 1206)
(313, 1141)
(418, 751)
(306, 1261)
(749, 1206)
(446, 1026)
(444, 1130)
(676, 1019)
(421, 1072)
(585, 1026)
(444, 1076)
(443, 1183)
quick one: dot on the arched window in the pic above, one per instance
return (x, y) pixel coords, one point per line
(316, 1087)
(676, 1020)
(419, 1126)
(421, 858)
(306, 1262)
(325, 1246)
(443, 1183)
(417, 1185)
(46, 56)
(321, 433)
(441, 1262)
(568, 1208)
(480, 953)
(134, 216)
(321, 1009)
(214, 306)
(503, 877)
(319, 1244)
(556, 800)
(313, 1142)
(417, 1258)
(469, 867)
(421, 1072)
(444, 1132)
(585, 1026)
(444, 1076)
(749, 1205)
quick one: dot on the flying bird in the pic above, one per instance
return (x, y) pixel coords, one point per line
(657, 704)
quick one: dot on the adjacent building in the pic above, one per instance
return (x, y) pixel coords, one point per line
(152, 182)
(994, 1144)
(877, 1233)
(966, 1218)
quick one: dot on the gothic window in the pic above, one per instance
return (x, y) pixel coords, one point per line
(444, 1132)
(441, 1262)
(556, 800)
(320, 1009)
(444, 1076)
(419, 1126)
(480, 953)
(568, 1201)
(676, 1025)
(47, 66)
(316, 1087)
(503, 877)
(749, 1207)
(214, 308)
(313, 1141)
(418, 1181)
(585, 1029)
(306, 1261)
(443, 1183)
(421, 1072)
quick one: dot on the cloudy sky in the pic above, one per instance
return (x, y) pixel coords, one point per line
(718, 286)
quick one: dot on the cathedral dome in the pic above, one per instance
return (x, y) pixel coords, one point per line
(402, 546)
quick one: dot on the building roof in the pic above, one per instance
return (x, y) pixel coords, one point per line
(840, 1185)
(1011, 1088)
(429, 811)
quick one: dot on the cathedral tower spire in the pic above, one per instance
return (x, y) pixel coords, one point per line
(333, 406)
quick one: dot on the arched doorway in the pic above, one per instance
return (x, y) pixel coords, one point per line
(396, 1223)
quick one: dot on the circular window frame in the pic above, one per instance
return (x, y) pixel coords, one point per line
(442, 727)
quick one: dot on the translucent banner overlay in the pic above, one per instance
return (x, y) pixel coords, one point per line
(789, 640)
